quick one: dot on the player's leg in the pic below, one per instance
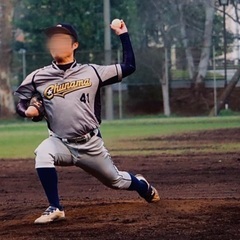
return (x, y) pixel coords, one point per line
(49, 153)
(100, 165)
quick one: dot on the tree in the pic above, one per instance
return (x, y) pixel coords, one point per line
(182, 23)
(86, 16)
(207, 41)
(36, 15)
(227, 92)
(155, 60)
(233, 82)
(197, 75)
(6, 98)
(185, 41)
(158, 26)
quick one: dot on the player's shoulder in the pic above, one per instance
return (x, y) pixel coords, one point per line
(86, 65)
(45, 68)
(30, 77)
(93, 65)
(100, 67)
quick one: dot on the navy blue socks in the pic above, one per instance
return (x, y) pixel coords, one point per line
(139, 186)
(49, 180)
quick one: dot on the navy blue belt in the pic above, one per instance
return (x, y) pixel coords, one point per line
(82, 139)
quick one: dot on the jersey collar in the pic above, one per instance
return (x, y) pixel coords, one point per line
(54, 65)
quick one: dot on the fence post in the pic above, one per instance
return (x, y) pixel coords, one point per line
(214, 82)
(108, 58)
(120, 110)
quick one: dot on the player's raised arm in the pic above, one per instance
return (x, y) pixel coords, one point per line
(114, 73)
(128, 65)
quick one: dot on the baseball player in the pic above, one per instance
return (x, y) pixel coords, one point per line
(67, 95)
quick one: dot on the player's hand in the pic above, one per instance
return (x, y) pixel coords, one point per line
(32, 112)
(36, 109)
(120, 30)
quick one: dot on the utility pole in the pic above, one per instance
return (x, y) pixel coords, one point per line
(22, 51)
(108, 58)
(225, 45)
(214, 82)
(225, 3)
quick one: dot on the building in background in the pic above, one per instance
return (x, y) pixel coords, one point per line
(234, 27)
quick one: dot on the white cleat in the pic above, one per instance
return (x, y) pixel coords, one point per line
(152, 195)
(51, 214)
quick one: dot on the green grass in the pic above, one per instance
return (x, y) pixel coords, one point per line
(19, 139)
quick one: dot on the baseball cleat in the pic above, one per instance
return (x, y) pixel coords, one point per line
(51, 214)
(152, 194)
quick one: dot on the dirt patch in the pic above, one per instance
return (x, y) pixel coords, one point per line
(200, 199)
(219, 135)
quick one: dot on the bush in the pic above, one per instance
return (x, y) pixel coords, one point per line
(228, 112)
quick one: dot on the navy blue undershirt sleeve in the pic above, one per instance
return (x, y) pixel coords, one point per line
(128, 65)
(22, 107)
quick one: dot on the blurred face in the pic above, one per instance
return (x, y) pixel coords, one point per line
(61, 47)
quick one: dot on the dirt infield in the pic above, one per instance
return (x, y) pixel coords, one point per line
(200, 199)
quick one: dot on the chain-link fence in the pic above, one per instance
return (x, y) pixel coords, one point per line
(141, 93)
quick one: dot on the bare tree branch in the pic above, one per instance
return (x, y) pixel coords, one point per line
(236, 10)
(237, 20)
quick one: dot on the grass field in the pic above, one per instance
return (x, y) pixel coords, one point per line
(19, 139)
(126, 137)
(196, 172)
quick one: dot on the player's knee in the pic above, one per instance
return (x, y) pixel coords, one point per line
(115, 185)
(120, 183)
(43, 159)
(123, 181)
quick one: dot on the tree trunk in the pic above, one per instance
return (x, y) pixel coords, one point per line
(207, 42)
(6, 98)
(165, 86)
(227, 92)
(166, 102)
(188, 52)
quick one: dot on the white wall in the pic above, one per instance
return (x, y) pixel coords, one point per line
(234, 27)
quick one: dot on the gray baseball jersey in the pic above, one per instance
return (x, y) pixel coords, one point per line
(71, 98)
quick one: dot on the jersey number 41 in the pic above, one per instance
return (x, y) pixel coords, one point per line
(85, 98)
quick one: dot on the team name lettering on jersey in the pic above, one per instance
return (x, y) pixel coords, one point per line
(62, 89)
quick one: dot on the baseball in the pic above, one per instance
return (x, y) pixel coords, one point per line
(117, 23)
